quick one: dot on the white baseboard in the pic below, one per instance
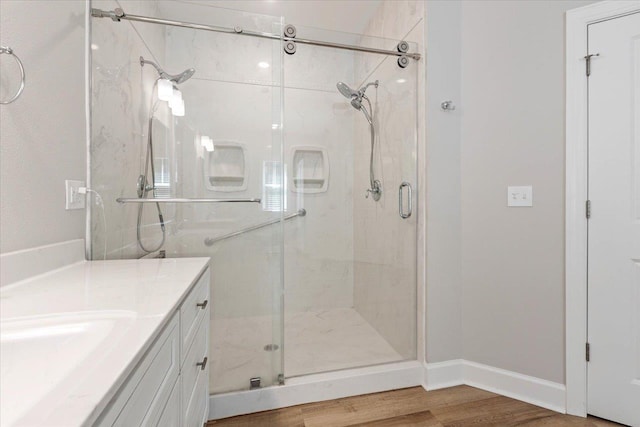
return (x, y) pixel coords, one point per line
(536, 391)
(27, 263)
(318, 387)
(443, 374)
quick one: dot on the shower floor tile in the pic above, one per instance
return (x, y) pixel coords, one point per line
(315, 341)
(328, 340)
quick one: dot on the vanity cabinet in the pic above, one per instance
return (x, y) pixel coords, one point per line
(169, 386)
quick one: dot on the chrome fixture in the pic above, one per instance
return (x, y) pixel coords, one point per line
(209, 241)
(203, 364)
(124, 200)
(403, 47)
(118, 14)
(289, 34)
(403, 214)
(290, 47)
(144, 185)
(356, 97)
(255, 383)
(9, 51)
(447, 106)
(175, 79)
(290, 31)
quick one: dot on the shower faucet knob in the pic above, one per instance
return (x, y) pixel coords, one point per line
(376, 191)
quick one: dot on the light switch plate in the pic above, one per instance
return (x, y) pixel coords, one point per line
(73, 198)
(521, 196)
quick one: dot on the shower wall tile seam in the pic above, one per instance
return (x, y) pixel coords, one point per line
(265, 84)
(144, 42)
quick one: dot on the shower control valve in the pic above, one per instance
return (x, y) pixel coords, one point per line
(375, 192)
(142, 186)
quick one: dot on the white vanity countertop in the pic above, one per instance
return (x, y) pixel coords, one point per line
(71, 337)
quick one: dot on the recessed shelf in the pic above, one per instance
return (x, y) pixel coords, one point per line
(225, 167)
(310, 171)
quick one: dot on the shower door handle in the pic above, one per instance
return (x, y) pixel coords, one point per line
(403, 214)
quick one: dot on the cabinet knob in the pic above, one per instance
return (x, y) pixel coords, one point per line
(203, 364)
(203, 305)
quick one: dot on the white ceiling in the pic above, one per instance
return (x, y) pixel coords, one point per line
(350, 16)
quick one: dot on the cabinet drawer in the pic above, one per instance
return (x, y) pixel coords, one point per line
(191, 370)
(143, 398)
(194, 308)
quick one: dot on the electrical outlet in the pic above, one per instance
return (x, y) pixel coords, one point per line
(74, 200)
(520, 196)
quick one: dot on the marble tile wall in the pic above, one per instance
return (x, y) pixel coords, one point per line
(120, 97)
(232, 98)
(385, 248)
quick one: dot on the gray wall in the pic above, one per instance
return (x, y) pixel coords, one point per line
(42, 134)
(444, 278)
(512, 133)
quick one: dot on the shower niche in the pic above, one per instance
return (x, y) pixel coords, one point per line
(310, 171)
(225, 167)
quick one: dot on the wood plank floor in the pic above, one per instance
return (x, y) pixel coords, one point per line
(455, 406)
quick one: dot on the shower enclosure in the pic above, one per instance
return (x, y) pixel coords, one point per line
(289, 160)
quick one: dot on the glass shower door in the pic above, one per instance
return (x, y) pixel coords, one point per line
(225, 144)
(350, 264)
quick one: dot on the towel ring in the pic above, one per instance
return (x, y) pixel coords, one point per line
(9, 51)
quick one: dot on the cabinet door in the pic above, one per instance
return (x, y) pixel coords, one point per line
(141, 400)
(195, 378)
(150, 395)
(197, 412)
(171, 415)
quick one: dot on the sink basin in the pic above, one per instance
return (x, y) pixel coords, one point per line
(37, 354)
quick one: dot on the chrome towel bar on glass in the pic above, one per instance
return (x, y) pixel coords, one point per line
(209, 241)
(9, 51)
(124, 200)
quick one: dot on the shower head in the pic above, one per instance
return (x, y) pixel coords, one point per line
(175, 78)
(183, 76)
(346, 90)
(356, 96)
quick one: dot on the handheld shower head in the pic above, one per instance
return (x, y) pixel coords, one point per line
(356, 96)
(175, 78)
(346, 90)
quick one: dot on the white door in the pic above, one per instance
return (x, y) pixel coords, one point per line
(614, 226)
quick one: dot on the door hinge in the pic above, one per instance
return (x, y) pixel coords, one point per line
(587, 352)
(587, 60)
(588, 209)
